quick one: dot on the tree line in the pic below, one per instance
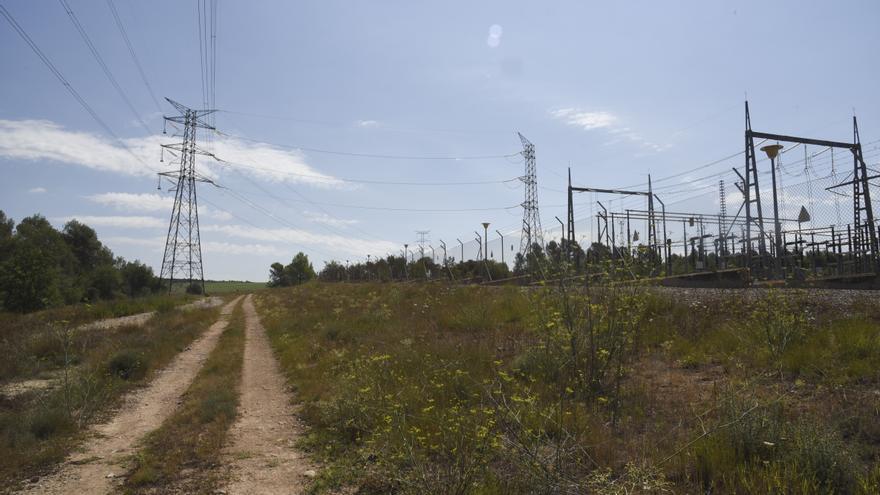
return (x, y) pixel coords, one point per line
(42, 267)
(400, 268)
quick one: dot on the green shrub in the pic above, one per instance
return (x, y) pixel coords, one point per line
(48, 421)
(125, 365)
(194, 288)
(218, 403)
(780, 321)
(765, 451)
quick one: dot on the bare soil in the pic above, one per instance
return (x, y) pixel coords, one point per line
(262, 457)
(95, 467)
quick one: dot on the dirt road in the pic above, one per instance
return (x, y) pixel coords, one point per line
(94, 469)
(261, 455)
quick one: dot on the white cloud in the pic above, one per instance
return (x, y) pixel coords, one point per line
(326, 219)
(127, 222)
(280, 242)
(248, 249)
(586, 120)
(298, 237)
(45, 140)
(267, 162)
(608, 122)
(134, 202)
(154, 243)
(158, 244)
(494, 38)
(37, 190)
(367, 123)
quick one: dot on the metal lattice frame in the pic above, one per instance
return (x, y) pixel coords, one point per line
(182, 259)
(531, 228)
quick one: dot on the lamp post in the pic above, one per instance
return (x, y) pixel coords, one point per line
(462, 250)
(772, 151)
(666, 244)
(502, 244)
(479, 240)
(405, 256)
(486, 240)
(562, 240)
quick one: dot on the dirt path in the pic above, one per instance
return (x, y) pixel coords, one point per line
(109, 323)
(262, 457)
(141, 318)
(50, 380)
(94, 468)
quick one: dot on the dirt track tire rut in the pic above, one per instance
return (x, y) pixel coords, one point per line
(96, 467)
(261, 456)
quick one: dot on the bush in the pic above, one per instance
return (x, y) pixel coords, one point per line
(194, 288)
(125, 365)
(48, 421)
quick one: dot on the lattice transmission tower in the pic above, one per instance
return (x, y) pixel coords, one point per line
(531, 229)
(183, 248)
(422, 240)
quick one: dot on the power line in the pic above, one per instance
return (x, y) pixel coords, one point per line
(73, 92)
(267, 231)
(202, 55)
(367, 155)
(331, 179)
(362, 123)
(97, 56)
(131, 52)
(407, 210)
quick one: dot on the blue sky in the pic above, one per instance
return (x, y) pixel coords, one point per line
(617, 90)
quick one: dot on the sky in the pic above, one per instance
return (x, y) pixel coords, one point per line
(344, 127)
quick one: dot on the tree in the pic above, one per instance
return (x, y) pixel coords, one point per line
(277, 278)
(105, 282)
(29, 279)
(38, 271)
(6, 227)
(85, 246)
(299, 270)
(137, 278)
(333, 271)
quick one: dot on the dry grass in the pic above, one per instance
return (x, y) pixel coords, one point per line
(414, 389)
(93, 371)
(182, 455)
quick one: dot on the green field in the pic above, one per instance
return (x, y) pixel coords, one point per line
(215, 287)
(484, 390)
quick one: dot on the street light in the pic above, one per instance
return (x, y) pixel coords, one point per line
(405, 255)
(772, 151)
(502, 244)
(562, 240)
(486, 240)
(479, 240)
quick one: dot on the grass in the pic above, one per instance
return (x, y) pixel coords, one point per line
(470, 390)
(180, 455)
(30, 342)
(93, 370)
(215, 287)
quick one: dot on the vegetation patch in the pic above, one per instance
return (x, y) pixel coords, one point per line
(90, 371)
(183, 453)
(481, 390)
